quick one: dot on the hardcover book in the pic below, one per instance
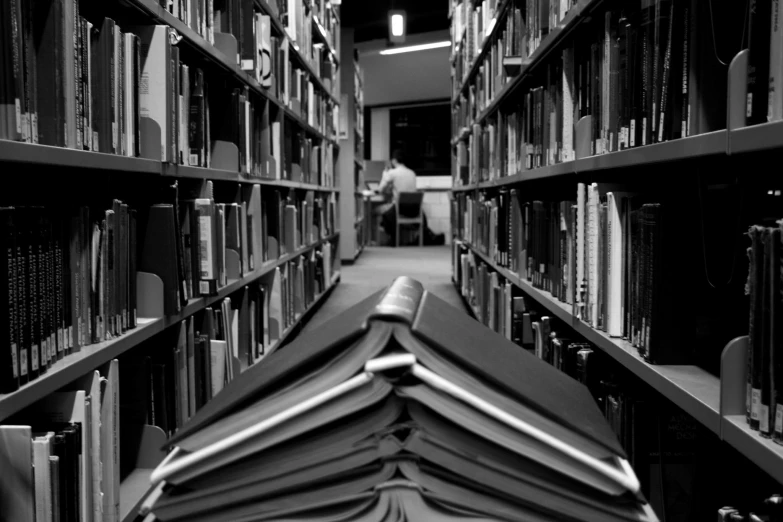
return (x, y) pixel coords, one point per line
(393, 406)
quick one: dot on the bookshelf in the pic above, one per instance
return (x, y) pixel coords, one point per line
(353, 214)
(266, 148)
(496, 71)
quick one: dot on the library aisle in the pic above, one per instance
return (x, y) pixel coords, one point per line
(377, 267)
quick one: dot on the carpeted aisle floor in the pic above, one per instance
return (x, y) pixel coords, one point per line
(378, 266)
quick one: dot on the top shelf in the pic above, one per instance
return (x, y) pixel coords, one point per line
(48, 156)
(711, 143)
(161, 15)
(496, 23)
(574, 16)
(303, 61)
(323, 38)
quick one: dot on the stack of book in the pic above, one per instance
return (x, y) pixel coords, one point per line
(387, 409)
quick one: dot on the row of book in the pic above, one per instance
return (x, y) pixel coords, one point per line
(68, 280)
(63, 453)
(763, 399)
(253, 30)
(72, 282)
(608, 253)
(208, 350)
(196, 245)
(61, 457)
(129, 91)
(526, 24)
(633, 419)
(641, 77)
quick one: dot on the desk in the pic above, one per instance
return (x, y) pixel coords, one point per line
(371, 202)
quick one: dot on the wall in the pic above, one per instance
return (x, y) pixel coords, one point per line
(405, 78)
(416, 76)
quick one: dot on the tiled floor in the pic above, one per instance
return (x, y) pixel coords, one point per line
(377, 267)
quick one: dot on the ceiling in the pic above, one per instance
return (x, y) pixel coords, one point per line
(369, 18)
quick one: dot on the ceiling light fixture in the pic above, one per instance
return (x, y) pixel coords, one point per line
(412, 48)
(397, 26)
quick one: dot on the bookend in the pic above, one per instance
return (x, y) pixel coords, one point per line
(737, 94)
(150, 453)
(225, 156)
(584, 137)
(273, 248)
(227, 44)
(733, 378)
(149, 145)
(149, 297)
(233, 265)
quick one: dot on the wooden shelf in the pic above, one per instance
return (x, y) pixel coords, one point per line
(44, 155)
(690, 147)
(79, 363)
(694, 390)
(761, 451)
(757, 137)
(712, 143)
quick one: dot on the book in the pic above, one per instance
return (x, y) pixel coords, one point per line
(242, 479)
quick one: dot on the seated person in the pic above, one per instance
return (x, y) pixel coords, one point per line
(396, 179)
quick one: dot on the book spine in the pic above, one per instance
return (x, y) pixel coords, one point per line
(776, 335)
(759, 29)
(775, 94)
(755, 337)
(9, 354)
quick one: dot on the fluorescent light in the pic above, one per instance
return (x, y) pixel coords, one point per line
(396, 23)
(412, 48)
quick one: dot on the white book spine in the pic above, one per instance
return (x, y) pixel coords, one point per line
(592, 286)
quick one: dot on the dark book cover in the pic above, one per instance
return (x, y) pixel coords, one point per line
(759, 15)
(57, 283)
(755, 330)
(47, 46)
(196, 136)
(23, 333)
(9, 348)
(132, 268)
(158, 253)
(776, 334)
(769, 272)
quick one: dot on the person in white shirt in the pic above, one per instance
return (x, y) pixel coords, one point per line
(397, 179)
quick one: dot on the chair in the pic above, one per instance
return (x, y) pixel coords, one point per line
(409, 212)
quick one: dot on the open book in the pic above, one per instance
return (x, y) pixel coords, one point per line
(400, 407)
